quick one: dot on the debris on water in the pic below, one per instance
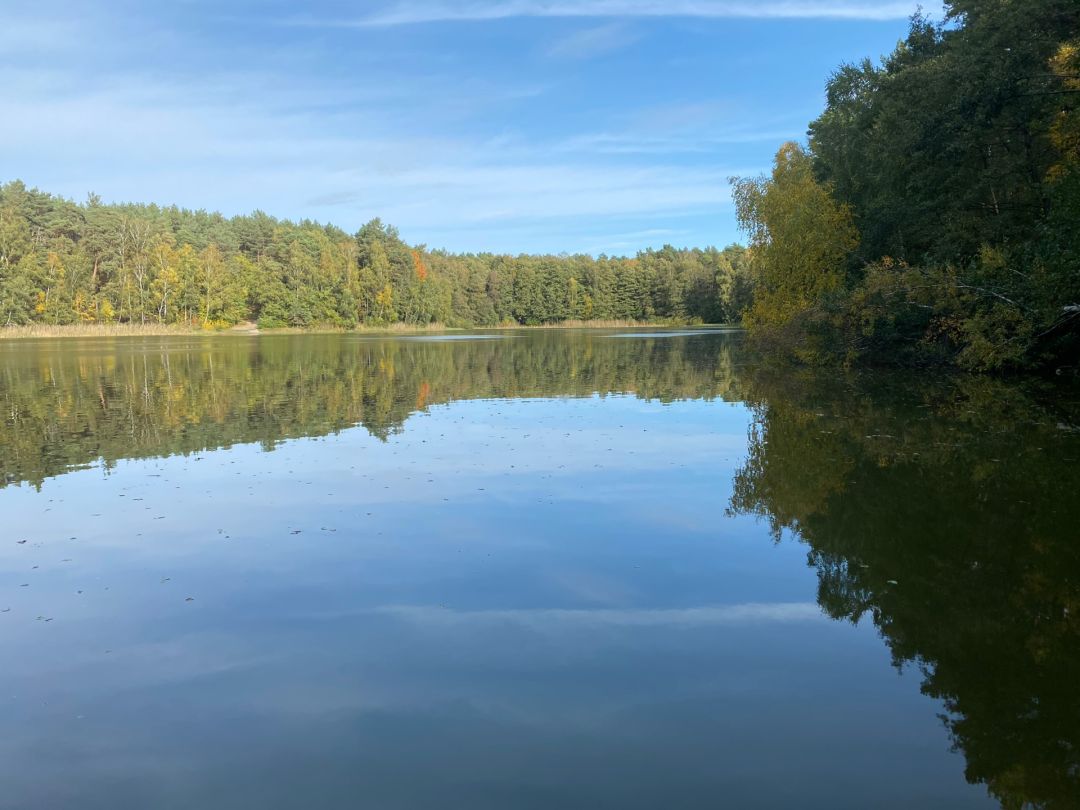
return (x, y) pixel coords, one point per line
(20, 542)
(892, 582)
(190, 599)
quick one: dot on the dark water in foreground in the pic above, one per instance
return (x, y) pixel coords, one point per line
(537, 570)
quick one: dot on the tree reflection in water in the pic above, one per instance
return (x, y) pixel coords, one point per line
(948, 511)
(944, 508)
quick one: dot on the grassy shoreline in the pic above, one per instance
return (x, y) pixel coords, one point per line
(92, 330)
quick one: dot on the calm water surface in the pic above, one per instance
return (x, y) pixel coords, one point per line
(532, 570)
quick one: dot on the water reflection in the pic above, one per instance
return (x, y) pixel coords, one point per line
(946, 510)
(516, 584)
(67, 406)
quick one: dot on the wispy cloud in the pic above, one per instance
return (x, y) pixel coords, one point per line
(226, 150)
(19, 37)
(634, 144)
(471, 142)
(590, 43)
(722, 615)
(432, 12)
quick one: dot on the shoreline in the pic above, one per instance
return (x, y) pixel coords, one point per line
(124, 330)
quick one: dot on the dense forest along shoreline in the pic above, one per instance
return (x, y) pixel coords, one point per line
(66, 264)
(248, 328)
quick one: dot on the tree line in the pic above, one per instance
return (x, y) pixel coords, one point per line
(64, 263)
(71, 410)
(934, 215)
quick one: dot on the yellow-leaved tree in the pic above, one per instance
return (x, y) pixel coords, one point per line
(801, 240)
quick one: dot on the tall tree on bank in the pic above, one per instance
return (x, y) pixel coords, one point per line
(800, 240)
(958, 158)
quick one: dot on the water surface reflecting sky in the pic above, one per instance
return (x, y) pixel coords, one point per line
(517, 572)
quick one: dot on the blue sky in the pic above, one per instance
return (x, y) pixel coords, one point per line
(598, 126)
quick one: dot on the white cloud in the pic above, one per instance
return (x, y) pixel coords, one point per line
(606, 143)
(27, 37)
(454, 154)
(721, 615)
(590, 43)
(227, 149)
(416, 13)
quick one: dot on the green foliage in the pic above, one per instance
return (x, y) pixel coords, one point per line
(931, 507)
(71, 409)
(65, 263)
(959, 159)
(800, 239)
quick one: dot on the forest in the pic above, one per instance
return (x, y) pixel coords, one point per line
(934, 216)
(68, 263)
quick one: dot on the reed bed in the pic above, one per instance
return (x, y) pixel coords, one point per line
(43, 330)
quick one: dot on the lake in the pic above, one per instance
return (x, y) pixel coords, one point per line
(530, 569)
